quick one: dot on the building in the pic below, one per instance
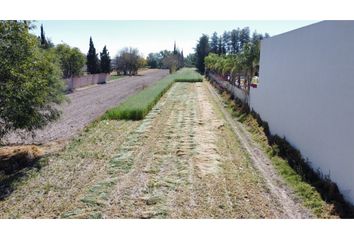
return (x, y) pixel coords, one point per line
(306, 94)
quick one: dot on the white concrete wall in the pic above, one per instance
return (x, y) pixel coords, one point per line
(306, 93)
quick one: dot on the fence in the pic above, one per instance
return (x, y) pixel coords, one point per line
(82, 81)
(232, 89)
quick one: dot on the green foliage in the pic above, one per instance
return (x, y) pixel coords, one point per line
(189, 61)
(202, 50)
(30, 80)
(244, 61)
(93, 65)
(105, 61)
(154, 60)
(137, 106)
(44, 42)
(43, 39)
(71, 60)
(214, 41)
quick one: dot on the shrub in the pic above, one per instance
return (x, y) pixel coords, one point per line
(30, 80)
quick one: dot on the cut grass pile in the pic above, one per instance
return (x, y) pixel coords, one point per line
(137, 106)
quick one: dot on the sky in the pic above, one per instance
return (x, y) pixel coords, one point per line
(150, 36)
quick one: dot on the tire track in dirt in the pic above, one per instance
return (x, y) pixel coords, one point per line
(291, 206)
(185, 162)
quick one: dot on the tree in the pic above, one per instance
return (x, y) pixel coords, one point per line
(214, 41)
(43, 39)
(105, 61)
(235, 41)
(189, 61)
(30, 81)
(226, 41)
(244, 36)
(92, 59)
(201, 52)
(129, 61)
(174, 49)
(154, 60)
(44, 42)
(221, 46)
(173, 60)
(71, 60)
(170, 62)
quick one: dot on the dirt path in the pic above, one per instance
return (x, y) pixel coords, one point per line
(184, 161)
(291, 205)
(89, 103)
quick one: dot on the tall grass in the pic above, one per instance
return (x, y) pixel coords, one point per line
(188, 75)
(136, 107)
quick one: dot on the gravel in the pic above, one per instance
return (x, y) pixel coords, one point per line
(86, 105)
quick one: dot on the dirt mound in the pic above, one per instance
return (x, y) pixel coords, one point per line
(14, 157)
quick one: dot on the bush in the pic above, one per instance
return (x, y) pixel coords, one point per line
(30, 80)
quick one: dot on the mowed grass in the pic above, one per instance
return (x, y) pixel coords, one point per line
(136, 107)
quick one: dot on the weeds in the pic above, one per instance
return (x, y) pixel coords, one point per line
(311, 186)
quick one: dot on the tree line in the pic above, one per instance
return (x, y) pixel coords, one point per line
(72, 61)
(172, 60)
(234, 54)
(32, 69)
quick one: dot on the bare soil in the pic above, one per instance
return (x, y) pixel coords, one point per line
(184, 160)
(87, 104)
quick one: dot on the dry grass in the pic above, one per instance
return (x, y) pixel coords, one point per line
(181, 161)
(65, 176)
(190, 165)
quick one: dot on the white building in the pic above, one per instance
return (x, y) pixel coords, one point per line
(306, 93)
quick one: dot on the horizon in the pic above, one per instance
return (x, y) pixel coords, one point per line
(150, 36)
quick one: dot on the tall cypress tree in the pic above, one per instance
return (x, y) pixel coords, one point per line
(105, 61)
(92, 59)
(44, 43)
(174, 49)
(201, 51)
(214, 43)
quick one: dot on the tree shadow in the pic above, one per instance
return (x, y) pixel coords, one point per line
(11, 177)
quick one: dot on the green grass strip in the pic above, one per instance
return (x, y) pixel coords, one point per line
(188, 75)
(137, 106)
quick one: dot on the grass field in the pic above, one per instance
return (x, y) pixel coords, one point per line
(188, 75)
(137, 106)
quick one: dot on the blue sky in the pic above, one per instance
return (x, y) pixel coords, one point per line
(150, 36)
